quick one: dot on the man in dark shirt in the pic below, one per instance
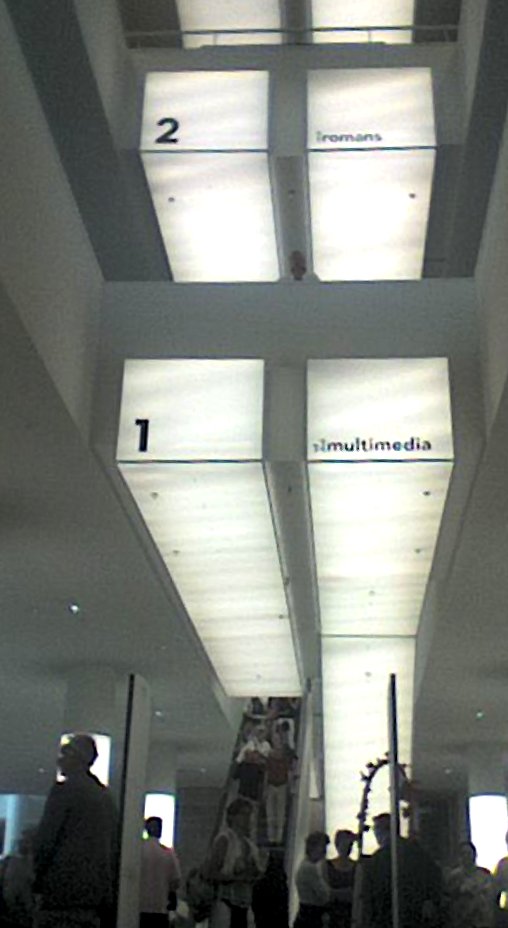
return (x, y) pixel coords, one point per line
(419, 878)
(75, 845)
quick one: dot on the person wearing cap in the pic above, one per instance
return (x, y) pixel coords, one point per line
(313, 892)
(75, 844)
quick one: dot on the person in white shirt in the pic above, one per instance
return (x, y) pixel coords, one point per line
(313, 892)
(159, 879)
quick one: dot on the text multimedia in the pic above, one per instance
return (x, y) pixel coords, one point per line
(348, 137)
(370, 444)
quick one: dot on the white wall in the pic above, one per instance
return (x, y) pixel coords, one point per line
(46, 261)
(492, 287)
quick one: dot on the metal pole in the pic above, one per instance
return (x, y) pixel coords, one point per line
(393, 756)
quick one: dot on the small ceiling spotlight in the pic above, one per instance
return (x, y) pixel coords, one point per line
(479, 715)
(448, 771)
(74, 608)
(159, 714)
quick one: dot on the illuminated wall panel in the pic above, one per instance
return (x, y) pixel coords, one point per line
(355, 687)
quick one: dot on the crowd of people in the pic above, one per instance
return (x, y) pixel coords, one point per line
(341, 892)
(62, 874)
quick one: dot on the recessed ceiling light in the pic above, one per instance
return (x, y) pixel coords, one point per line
(480, 714)
(159, 714)
(41, 770)
(426, 493)
(448, 771)
(74, 608)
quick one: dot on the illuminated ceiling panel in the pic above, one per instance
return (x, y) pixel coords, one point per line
(204, 144)
(358, 13)
(371, 158)
(215, 215)
(213, 111)
(382, 403)
(355, 685)
(196, 410)
(189, 449)
(369, 213)
(380, 454)
(220, 15)
(365, 108)
(375, 522)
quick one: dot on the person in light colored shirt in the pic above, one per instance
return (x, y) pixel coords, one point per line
(313, 892)
(159, 879)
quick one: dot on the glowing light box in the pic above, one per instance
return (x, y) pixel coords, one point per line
(375, 530)
(200, 487)
(369, 213)
(370, 108)
(371, 142)
(215, 215)
(363, 13)
(204, 142)
(368, 409)
(224, 14)
(213, 110)
(195, 410)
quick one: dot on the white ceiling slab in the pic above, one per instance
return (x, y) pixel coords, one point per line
(368, 13)
(219, 15)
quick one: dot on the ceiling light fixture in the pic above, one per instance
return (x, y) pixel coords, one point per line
(204, 421)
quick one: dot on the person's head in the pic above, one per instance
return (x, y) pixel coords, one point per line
(467, 853)
(77, 754)
(315, 845)
(344, 840)
(297, 265)
(153, 826)
(260, 732)
(382, 828)
(238, 815)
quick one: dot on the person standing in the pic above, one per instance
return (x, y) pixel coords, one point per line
(313, 892)
(234, 866)
(159, 879)
(340, 876)
(419, 879)
(471, 892)
(280, 765)
(75, 846)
